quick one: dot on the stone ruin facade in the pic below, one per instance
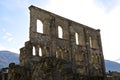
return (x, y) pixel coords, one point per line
(63, 50)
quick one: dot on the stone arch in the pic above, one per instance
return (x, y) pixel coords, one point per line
(58, 53)
(40, 51)
(93, 42)
(37, 50)
(79, 56)
(62, 53)
(39, 26)
(76, 38)
(33, 51)
(60, 32)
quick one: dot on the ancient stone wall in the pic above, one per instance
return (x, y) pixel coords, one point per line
(60, 38)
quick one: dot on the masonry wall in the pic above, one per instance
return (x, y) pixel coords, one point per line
(78, 43)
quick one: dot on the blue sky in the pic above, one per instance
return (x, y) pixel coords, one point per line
(14, 23)
(98, 14)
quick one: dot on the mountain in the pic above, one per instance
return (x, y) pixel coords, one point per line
(118, 60)
(112, 66)
(7, 57)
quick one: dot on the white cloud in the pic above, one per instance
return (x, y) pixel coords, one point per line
(94, 15)
(7, 36)
(10, 39)
(84, 11)
(107, 4)
(18, 4)
(2, 47)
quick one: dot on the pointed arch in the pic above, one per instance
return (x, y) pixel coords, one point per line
(39, 26)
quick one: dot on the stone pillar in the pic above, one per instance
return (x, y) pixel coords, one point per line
(11, 73)
(37, 50)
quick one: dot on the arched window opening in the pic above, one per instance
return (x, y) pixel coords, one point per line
(93, 42)
(62, 54)
(90, 41)
(40, 52)
(60, 32)
(76, 37)
(79, 57)
(33, 51)
(58, 53)
(39, 26)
